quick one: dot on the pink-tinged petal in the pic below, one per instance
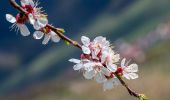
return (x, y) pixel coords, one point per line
(78, 66)
(89, 74)
(31, 19)
(46, 39)
(108, 85)
(23, 29)
(132, 68)
(38, 35)
(112, 67)
(74, 60)
(54, 37)
(94, 56)
(85, 40)
(104, 56)
(123, 62)
(86, 50)
(100, 78)
(10, 18)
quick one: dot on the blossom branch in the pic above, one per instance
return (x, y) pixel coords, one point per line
(56, 30)
(60, 32)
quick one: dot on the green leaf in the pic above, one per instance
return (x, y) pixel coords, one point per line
(143, 97)
(60, 30)
(67, 43)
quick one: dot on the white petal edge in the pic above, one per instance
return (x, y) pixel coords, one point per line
(112, 67)
(108, 85)
(54, 37)
(74, 60)
(132, 68)
(100, 78)
(31, 19)
(23, 29)
(85, 40)
(89, 74)
(77, 66)
(133, 75)
(38, 35)
(10, 18)
(46, 39)
(86, 50)
(123, 62)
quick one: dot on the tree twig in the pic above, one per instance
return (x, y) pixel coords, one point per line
(74, 43)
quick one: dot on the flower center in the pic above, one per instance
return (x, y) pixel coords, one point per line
(21, 18)
(119, 71)
(28, 8)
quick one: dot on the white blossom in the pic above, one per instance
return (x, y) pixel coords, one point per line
(129, 71)
(18, 26)
(47, 36)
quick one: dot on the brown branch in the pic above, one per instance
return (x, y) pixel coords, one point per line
(131, 92)
(74, 43)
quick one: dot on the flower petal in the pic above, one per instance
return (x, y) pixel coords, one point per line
(85, 40)
(46, 39)
(27, 2)
(42, 22)
(86, 50)
(123, 62)
(133, 75)
(130, 75)
(74, 60)
(112, 67)
(105, 71)
(132, 68)
(36, 25)
(100, 78)
(54, 37)
(31, 18)
(108, 85)
(38, 35)
(88, 66)
(23, 29)
(104, 56)
(89, 74)
(77, 66)
(10, 18)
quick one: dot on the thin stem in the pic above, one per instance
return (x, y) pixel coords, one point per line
(74, 43)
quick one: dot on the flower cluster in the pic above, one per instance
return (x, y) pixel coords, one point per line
(36, 18)
(98, 61)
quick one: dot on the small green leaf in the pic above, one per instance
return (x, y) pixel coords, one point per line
(67, 43)
(60, 30)
(143, 97)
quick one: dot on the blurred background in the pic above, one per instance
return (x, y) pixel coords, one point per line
(139, 30)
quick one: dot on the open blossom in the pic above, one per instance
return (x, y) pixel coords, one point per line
(18, 23)
(36, 18)
(48, 34)
(98, 61)
(129, 71)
